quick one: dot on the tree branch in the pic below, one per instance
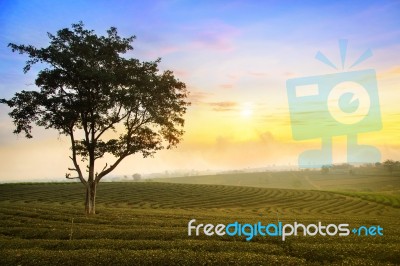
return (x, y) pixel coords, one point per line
(102, 170)
(110, 168)
(73, 158)
(112, 123)
(68, 176)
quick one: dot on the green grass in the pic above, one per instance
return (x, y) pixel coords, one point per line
(146, 223)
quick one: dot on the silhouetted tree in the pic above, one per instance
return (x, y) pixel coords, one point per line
(87, 89)
(389, 165)
(325, 169)
(136, 177)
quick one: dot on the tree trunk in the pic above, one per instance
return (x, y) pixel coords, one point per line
(90, 204)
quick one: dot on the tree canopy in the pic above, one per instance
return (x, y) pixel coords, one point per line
(89, 87)
(391, 165)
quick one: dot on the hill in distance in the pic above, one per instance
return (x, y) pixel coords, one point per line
(360, 180)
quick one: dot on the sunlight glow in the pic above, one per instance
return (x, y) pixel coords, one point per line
(247, 110)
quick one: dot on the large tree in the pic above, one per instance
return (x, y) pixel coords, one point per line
(88, 89)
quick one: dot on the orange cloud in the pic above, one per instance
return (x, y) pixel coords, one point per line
(227, 153)
(226, 86)
(393, 72)
(223, 106)
(197, 97)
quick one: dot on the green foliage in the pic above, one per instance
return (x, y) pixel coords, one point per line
(146, 223)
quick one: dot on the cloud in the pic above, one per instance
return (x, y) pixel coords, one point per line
(223, 106)
(181, 73)
(393, 72)
(226, 86)
(167, 49)
(257, 74)
(289, 74)
(233, 76)
(197, 97)
(226, 152)
(213, 35)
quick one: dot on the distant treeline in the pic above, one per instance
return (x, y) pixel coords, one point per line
(389, 165)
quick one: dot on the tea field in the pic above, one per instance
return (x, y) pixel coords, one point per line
(146, 223)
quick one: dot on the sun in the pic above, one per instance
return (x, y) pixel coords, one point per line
(247, 110)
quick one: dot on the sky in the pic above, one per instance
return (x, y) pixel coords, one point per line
(235, 58)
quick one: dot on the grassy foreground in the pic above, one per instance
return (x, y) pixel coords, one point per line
(146, 223)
